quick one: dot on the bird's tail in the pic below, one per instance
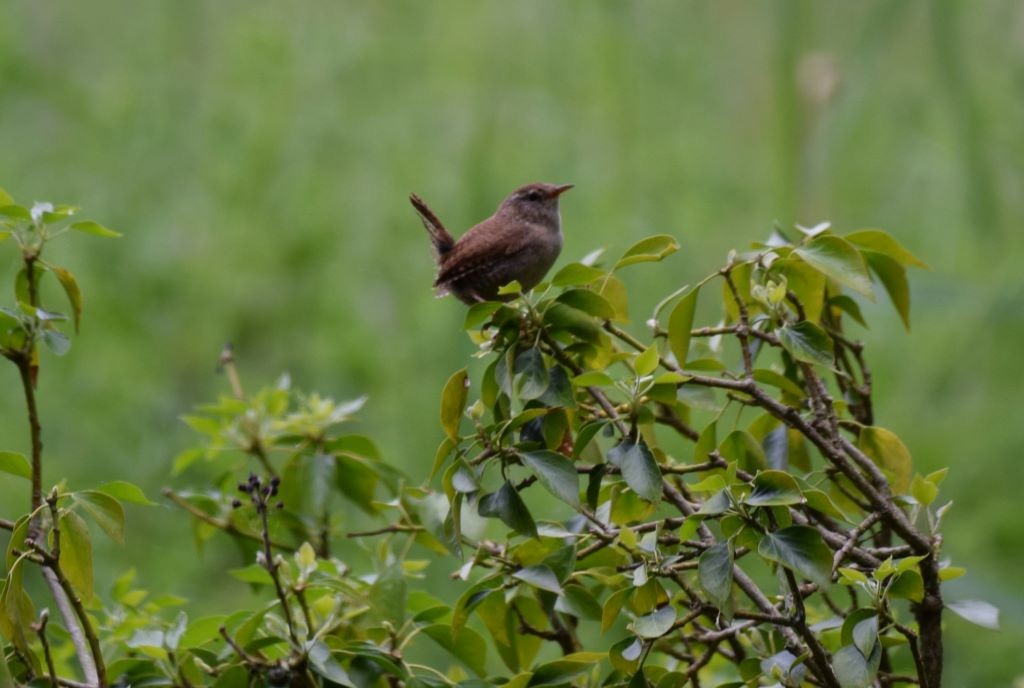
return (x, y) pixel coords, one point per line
(439, 236)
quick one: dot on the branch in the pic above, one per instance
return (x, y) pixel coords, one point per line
(394, 528)
(53, 565)
(851, 540)
(744, 326)
(40, 628)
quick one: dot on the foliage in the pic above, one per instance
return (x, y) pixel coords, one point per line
(710, 504)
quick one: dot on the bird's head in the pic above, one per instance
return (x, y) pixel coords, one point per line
(535, 203)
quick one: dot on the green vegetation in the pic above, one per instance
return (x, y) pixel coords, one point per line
(722, 568)
(257, 158)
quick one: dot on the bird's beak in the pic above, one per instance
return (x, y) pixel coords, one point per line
(559, 190)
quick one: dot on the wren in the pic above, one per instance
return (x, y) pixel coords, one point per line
(519, 242)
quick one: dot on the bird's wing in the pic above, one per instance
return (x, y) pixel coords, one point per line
(480, 248)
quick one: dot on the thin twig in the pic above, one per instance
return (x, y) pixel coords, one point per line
(40, 628)
(394, 528)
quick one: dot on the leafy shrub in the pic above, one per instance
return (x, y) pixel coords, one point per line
(704, 505)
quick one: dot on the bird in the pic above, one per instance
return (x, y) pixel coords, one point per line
(519, 242)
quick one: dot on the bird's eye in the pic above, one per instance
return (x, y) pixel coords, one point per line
(533, 195)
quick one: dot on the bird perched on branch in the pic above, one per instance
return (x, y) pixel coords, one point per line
(519, 242)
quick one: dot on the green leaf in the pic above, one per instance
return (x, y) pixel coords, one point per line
(612, 607)
(741, 446)
(539, 576)
(468, 601)
(893, 277)
(445, 449)
(801, 549)
(889, 453)
(848, 306)
(253, 573)
(977, 612)
(717, 503)
(625, 654)
(15, 464)
(354, 476)
(614, 292)
(576, 275)
(639, 469)
(774, 488)
(67, 281)
(559, 391)
(125, 492)
(560, 671)
(865, 635)
(807, 284)
(851, 668)
(453, 403)
(94, 228)
(579, 602)
(594, 485)
(680, 322)
(106, 511)
(507, 505)
(949, 573)
(6, 680)
(806, 342)
(923, 490)
(479, 313)
(15, 211)
(589, 302)
(647, 361)
(531, 375)
(770, 377)
(389, 596)
(782, 665)
(56, 342)
(837, 259)
(560, 317)
(593, 378)
(714, 570)
(76, 553)
(323, 663)
(513, 287)
(16, 609)
(649, 250)
(881, 242)
(655, 624)
(908, 585)
(852, 575)
(305, 559)
(470, 649)
(556, 473)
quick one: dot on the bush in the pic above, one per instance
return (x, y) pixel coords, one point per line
(712, 505)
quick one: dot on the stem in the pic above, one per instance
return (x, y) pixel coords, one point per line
(929, 622)
(91, 664)
(53, 565)
(271, 566)
(35, 431)
(40, 629)
(395, 528)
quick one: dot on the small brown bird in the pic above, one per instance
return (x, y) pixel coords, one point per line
(520, 242)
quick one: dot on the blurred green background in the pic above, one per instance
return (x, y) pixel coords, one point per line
(257, 156)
